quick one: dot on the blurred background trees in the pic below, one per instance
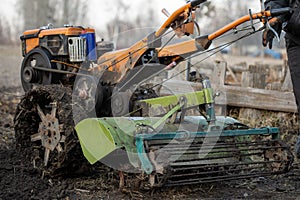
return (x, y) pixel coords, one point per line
(37, 13)
(5, 32)
(124, 30)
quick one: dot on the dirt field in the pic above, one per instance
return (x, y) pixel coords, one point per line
(19, 180)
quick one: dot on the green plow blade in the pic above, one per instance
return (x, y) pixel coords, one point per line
(95, 139)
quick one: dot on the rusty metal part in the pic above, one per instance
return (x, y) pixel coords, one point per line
(142, 92)
(60, 71)
(49, 132)
(68, 64)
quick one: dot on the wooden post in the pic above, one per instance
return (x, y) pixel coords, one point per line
(259, 75)
(247, 79)
(219, 74)
(255, 77)
(287, 83)
(218, 81)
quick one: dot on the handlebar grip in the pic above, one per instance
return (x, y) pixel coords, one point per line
(280, 11)
(195, 3)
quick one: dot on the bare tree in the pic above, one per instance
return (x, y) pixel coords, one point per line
(124, 31)
(72, 12)
(37, 13)
(5, 33)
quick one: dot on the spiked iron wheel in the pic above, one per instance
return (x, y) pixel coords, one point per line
(44, 129)
(49, 132)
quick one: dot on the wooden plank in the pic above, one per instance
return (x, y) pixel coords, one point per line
(171, 87)
(240, 96)
(256, 98)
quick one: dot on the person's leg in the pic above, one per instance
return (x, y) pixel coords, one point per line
(293, 52)
(297, 147)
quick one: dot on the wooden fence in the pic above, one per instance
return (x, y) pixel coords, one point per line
(249, 92)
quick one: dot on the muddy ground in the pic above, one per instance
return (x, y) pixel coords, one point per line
(19, 180)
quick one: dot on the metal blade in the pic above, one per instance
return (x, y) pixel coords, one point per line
(59, 148)
(41, 113)
(35, 137)
(53, 111)
(46, 156)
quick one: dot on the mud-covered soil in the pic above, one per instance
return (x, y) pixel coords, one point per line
(19, 180)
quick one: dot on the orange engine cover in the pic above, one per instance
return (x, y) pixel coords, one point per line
(50, 38)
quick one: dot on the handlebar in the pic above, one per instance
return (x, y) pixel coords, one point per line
(195, 3)
(280, 11)
(260, 15)
(176, 14)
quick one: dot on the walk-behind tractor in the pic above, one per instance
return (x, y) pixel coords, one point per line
(84, 98)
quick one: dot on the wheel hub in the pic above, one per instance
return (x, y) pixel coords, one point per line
(30, 75)
(49, 132)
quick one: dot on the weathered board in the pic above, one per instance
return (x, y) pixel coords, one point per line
(246, 97)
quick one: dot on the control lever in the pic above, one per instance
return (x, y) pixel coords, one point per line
(267, 24)
(165, 12)
(269, 27)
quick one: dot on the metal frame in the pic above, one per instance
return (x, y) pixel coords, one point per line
(141, 138)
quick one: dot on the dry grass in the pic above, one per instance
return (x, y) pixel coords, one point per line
(286, 122)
